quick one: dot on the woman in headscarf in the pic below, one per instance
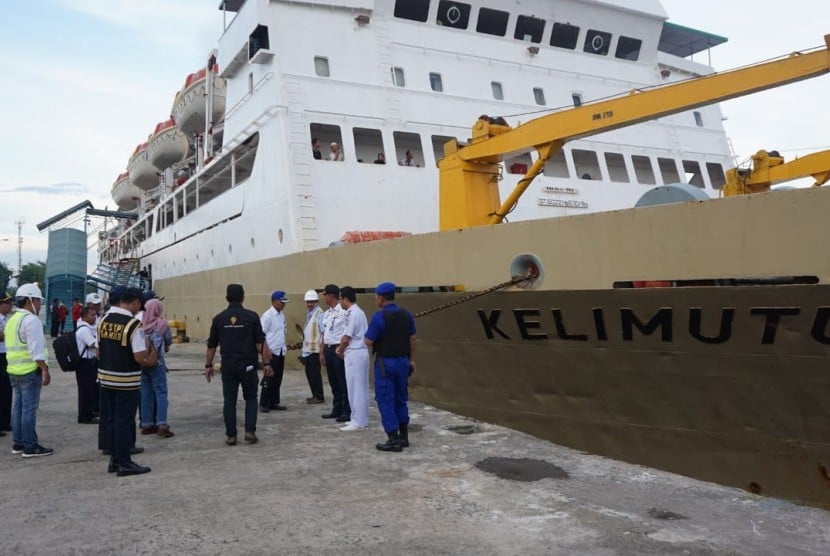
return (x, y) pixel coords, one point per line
(154, 379)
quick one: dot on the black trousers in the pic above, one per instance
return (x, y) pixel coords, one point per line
(5, 396)
(336, 370)
(86, 376)
(270, 394)
(231, 381)
(121, 406)
(105, 421)
(313, 375)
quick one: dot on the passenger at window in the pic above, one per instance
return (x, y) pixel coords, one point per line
(408, 160)
(315, 149)
(381, 159)
(336, 153)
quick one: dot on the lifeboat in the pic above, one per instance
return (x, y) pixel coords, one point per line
(125, 193)
(141, 170)
(167, 145)
(189, 107)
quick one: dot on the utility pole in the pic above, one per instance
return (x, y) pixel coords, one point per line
(19, 246)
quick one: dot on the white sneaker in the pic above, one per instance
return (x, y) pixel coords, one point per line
(352, 427)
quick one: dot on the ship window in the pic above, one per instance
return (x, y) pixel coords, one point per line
(716, 177)
(438, 142)
(616, 167)
(368, 146)
(698, 118)
(492, 22)
(416, 10)
(453, 14)
(597, 42)
(628, 48)
(321, 66)
(668, 169)
(406, 142)
(529, 28)
(557, 166)
(435, 82)
(586, 164)
(576, 98)
(258, 40)
(564, 35)
(693, 173)
(539, 96)
(643, 170)
(398, 78)
(327, 134)
(498, 92)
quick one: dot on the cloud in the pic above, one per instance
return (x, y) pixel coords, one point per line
(54, 189)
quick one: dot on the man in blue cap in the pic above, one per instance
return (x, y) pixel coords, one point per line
(273, 326)
(391, 335)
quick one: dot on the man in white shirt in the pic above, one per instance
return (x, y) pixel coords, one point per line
(333, 325)
(356, 358)
(86, 375)
(273, 325)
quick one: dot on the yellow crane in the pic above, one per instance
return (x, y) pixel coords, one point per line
(769, 168)
(468, 181)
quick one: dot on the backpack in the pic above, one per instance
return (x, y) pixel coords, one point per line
(65, 348)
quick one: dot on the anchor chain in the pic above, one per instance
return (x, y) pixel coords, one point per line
(531, 274)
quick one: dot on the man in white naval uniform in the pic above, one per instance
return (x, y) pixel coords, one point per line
(356, 357)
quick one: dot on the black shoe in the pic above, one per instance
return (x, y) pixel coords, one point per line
(136, 450)
(250, 438)
(112, 467)
(403, 432)
(17, 449)
(343, 419)
(329, 415)
(264, 409)
(230, 440)
(37, 452)
(278, 407)
(131, 468)
(90, 421)
(393, 444)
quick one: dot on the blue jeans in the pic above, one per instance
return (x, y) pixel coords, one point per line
(154, 396)
(26, 390)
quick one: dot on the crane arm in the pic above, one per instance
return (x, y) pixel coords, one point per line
(768, 169)
(468, 176)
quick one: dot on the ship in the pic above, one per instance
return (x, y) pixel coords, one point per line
(628, 308)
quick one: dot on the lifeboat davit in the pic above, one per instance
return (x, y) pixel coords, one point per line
(125, 193)
(141, 170)
(189, 107)
(167, 146)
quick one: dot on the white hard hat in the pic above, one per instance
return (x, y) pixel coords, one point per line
(311, 295)
(30, 291)
(93, 299)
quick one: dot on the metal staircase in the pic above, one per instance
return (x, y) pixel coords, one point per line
(105, 277)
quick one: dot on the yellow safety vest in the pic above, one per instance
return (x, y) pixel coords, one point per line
(17, 352)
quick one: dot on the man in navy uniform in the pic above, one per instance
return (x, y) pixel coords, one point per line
(239, 331)
(391, 335)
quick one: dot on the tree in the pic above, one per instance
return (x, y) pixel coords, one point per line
(5, 276)
(32, 272)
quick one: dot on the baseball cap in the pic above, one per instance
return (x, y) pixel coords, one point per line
(93, 298)
(331, 289)
(385, 288)
(279, 295)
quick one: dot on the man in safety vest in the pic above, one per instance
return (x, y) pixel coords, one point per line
(27, 368)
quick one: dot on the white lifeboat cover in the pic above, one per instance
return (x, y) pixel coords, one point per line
(189, 107)
(167, 146)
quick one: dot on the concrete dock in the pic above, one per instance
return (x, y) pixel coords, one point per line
(462, 488)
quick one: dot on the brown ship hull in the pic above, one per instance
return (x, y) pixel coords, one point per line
(724, 384)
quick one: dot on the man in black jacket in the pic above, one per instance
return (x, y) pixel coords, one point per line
(239, 332)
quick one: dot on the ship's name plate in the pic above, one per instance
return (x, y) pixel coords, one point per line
(563, 203)
(760, 324)
(560, 189)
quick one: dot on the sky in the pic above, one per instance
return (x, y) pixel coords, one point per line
(85, 81)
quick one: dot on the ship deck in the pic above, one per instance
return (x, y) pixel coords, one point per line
(307, 488)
